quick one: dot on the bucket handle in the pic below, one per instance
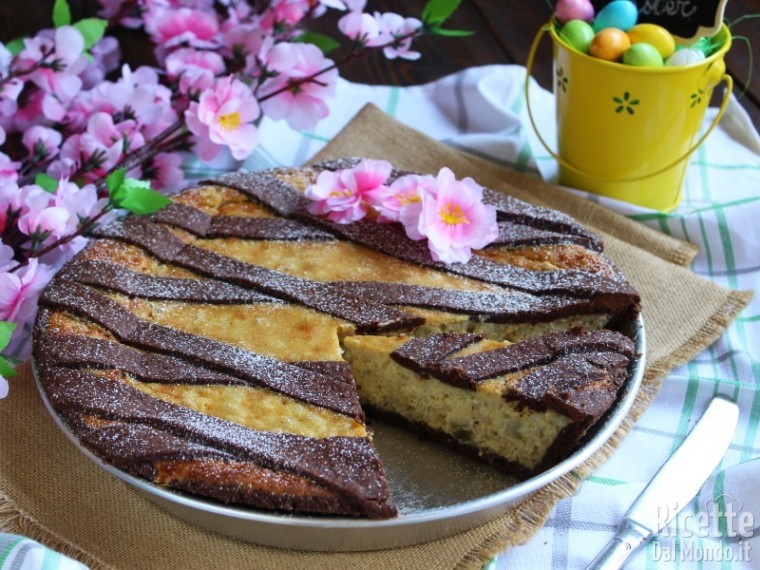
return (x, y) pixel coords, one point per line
(529, 68)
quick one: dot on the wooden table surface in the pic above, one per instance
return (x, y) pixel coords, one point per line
(503, 32)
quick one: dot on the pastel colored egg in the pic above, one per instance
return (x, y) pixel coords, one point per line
(567, 10)
(685, 56)
(653, 35)
(578, 34)
(642, 55)
(620, 14)
(609, 44)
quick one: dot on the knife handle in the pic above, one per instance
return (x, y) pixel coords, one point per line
(613, 556)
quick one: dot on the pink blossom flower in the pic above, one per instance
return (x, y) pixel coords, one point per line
(342, 195)
(6, 57)
(250, 42)
(11, 204)
(355, 5)
(394, 28)
(42, 220)
(9, 93)
(363, 28)
(42, 141)
(19, 292)
(195, 69)
(36, 106)
(6, 257)
(100, 147)
(106, 56)
(402, 200)
(224, 116)
(62, 168)
(238, 13)
(167, 172)
(81, 203)
(171, 27)
(455, 221)
(8, 169)
(59, 85)
(301, 103)
(284, 13)
(139, 95)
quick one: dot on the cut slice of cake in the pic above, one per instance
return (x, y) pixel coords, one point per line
(213, 347)
(518, 406)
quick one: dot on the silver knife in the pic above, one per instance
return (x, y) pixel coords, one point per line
(675, 484)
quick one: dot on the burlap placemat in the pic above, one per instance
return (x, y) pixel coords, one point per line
(52, 493)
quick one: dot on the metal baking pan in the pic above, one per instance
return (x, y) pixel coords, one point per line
(437, 491)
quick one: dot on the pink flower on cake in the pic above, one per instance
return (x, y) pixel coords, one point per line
(342, 195)
(402, 200)
(455, 221)
(224, 116)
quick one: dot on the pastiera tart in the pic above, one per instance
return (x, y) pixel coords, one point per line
(229, 344)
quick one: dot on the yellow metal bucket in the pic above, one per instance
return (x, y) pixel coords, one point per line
(627, 132)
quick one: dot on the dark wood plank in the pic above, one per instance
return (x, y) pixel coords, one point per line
(503, 33)
(744, 69)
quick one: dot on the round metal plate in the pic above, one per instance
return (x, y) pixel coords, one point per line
(437, 491)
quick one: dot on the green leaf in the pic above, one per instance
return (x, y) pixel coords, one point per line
(92, 29)
(46, 182)
(15, 46)
(6, 369)
(450, 33)
(61, 13)
(137, 197)
(6, 330)
(115, 180)
(436, 12)
(322, 41)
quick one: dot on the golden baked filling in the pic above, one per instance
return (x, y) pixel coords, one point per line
(228, 345)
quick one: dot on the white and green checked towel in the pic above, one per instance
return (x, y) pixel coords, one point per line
(19, 553)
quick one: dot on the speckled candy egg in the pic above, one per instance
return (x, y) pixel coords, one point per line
(567, 10)
(578, 34)
(642, 55)
(609, 44)
(685, 56)
(653, 35)
(620, 14)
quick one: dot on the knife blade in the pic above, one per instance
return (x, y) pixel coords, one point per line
(674, 485)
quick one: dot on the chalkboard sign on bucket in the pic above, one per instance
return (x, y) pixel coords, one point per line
(628, 132)
(687, 20)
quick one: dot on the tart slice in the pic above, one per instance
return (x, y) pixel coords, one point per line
(521, 407)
